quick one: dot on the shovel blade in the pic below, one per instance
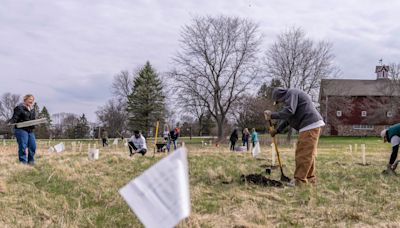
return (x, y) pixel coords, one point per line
(285, 178)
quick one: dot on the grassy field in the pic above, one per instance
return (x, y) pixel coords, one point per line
(68, 190)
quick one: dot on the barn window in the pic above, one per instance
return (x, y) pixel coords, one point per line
(363, 113)
(363, 127)
(338, 113)
(389, 114)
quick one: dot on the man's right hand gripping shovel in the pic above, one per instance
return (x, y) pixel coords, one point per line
(273, 132)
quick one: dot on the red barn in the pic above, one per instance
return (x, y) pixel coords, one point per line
(360, 107)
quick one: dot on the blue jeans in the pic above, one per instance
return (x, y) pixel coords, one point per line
(169, 144)
(25, 140)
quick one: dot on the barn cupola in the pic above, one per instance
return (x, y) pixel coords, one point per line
(382, 72)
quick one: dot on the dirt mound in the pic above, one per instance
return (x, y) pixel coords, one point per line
(259, 179)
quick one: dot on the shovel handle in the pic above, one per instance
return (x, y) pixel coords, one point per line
(271, 128)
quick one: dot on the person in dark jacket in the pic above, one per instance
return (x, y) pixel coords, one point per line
(104, 138)
(234, 138)
(25, 135)
(173, 138)
(245, 138)
(392, 135)
(299, 113)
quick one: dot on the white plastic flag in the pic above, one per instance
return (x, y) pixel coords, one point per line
(93, 154)
(256, 150)
(160, 196)
(115, 142)
(59, 147)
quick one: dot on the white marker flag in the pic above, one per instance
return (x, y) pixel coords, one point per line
(59, 147)
(115, 142)
(256, 150)
(160, 196)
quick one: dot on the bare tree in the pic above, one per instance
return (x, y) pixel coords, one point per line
(300, 62)
(195, 108)
(8, 102)
(250, 112)
(113, 117)
(122, 85)
(217, 63)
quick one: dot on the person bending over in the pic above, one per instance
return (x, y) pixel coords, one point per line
(392, 135)
(299, 113)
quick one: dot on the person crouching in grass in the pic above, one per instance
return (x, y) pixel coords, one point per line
(25, 135)
(137, 144)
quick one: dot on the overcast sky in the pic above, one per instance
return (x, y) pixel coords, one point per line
(66, 52)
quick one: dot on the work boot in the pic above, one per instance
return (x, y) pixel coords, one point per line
(394, 166)
(389, 171)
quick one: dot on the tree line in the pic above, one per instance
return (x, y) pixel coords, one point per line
(220, 78)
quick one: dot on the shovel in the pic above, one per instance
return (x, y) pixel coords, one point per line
(283, 177)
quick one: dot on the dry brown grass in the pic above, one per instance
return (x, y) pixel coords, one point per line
(68, 190)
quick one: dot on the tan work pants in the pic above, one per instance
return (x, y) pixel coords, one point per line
(305, 154)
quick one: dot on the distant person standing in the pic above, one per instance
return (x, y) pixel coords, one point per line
(173, 138)
(166, 133)
(104, 138)
(137, 144)
(234, 138)
(245, 138)
(25, 135)
(254, 137)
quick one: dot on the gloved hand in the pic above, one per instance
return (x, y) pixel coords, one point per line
(267, 114)
(273, 132)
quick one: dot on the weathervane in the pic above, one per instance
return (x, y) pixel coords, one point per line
(380, 61)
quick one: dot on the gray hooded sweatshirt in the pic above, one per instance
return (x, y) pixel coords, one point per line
(298, 111)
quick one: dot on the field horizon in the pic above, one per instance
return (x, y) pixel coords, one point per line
(68, 190)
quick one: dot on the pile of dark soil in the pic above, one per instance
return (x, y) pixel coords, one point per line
(259, 179)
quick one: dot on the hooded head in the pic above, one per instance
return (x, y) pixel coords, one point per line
(278, 94)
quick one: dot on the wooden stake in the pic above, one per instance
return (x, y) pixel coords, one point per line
(363, 154)
(273, 154)
(155, 138)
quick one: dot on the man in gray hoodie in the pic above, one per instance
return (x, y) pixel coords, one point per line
(299, 113)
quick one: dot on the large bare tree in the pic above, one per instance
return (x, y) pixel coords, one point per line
(8, 102)
(113, 117)
(122, 85)
(217, 63)
(300, 62)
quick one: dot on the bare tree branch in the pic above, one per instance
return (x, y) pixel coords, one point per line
(217, 63)
(300, 62)
(8, 102)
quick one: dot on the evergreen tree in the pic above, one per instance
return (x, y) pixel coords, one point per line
(82, 128)
(43, 130)
(36, 108)
(146, 102)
